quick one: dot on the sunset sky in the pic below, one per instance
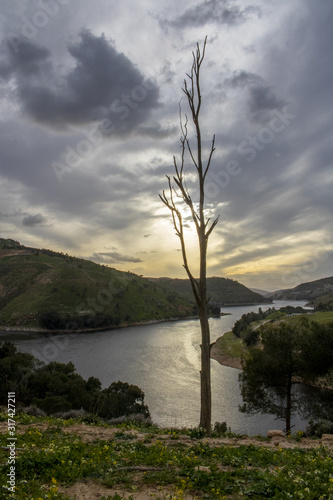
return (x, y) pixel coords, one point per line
(89, 124)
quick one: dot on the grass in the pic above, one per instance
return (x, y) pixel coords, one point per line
(49, 460)
(230, 345)
(321, 317)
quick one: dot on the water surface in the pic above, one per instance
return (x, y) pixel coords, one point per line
(163, 359)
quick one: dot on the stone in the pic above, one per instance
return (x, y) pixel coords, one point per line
(276, 433)
(202, 468)
(327, 437)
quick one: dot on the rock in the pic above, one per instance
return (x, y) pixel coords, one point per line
(327, 437)
(202, 468)
(271, 434)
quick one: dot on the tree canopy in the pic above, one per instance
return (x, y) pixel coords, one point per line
(292, 363)
(56, 387)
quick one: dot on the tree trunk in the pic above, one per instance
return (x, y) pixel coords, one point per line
(288, 408)
(205, 379)
(204, 229)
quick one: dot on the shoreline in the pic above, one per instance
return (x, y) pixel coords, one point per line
(15, 329)
(225, 360)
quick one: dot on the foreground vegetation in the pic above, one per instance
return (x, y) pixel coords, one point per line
(56, 388)
(53, 455)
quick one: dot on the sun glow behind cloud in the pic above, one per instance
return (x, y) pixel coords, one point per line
(82, 68)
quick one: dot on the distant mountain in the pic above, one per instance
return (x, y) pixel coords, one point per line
(52, 290)
(221, 291)
(305, 291)
(261, 292)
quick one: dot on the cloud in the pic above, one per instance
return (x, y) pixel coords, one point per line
(33, 220)
(113, 258)
(224, 12)
(261, 98)
(242, 78)
(103, 84)
(158, 131)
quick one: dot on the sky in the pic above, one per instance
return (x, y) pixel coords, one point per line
(90, 94)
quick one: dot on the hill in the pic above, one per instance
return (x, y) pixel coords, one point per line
(324, 302)
(305, 291)
(221, 291)
(55, 291)
(43, 288)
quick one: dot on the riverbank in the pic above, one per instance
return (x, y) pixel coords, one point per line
(228, 351)
(224, 359)
(22, 329)
(18, 329)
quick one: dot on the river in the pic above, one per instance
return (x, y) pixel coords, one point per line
(163, 359)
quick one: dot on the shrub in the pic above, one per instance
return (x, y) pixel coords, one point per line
(34, 411)
(135, 417)
(53, 404)
(66, 415)
(319, 428)
(220, 427)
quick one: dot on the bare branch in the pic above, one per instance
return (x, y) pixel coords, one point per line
(210, 156)
(212, 227)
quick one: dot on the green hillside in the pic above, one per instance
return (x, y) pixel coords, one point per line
(38, 287)
(324, 302)
(52, 290)
(310, 291)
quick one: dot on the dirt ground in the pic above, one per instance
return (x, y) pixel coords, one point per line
(223, 359)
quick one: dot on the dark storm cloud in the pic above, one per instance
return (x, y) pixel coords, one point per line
(158, 131)
(104, 84)
(33, 220)
(28, 61)
(261, 98)
(243, 78)
(212, 11)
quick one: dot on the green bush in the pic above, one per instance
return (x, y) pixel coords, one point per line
(319, 428)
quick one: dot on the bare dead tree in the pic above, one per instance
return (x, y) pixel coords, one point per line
(179, 195)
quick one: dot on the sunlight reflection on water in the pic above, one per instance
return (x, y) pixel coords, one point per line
(164, 361)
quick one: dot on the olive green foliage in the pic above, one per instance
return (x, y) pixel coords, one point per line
(324, 302)
(242, 325)
(15, 368)
(56, 387)
(120, 399)
(288, 370)
(247, 326)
